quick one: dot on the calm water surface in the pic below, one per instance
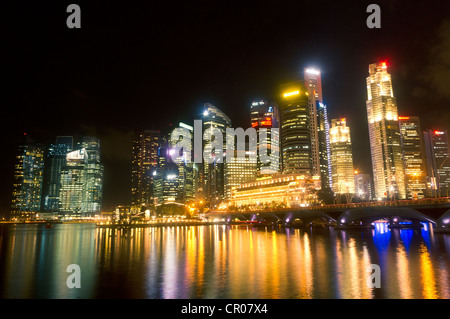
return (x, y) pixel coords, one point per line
(221, 262)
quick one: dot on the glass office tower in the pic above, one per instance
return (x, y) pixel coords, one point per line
(55, 159)
(342, 170)
(265, 116)
(384, 134)
(319, 127)
(438, 160)
(144, 162)
(27, 185)
(295, 129)
(213, 178)
(413, 156)
(81, 191)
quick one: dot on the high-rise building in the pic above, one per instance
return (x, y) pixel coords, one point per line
(363, 186)
(94, 176)
(144, 161)
(384, 134)
(413, 156)
(55, 159)
(319, 129)
(238, 170)
(342, 170)
(295, 129)
(323, 135)
(81, 190)
(186, 168)
(27, 185)
(438, 160)
(265, 116)
(213, 174)
(166, 181)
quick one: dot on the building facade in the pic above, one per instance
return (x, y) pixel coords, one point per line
(413, 156)
(213, 173)
(342, 170)
(384, 134)
(363, 187)
(238, 170)
(145, 148)
(265, 116)
(438, 161)
(55, 159)
(27, 185)
(281, 190)
(295, 129)
(319, 127)
(81, 190)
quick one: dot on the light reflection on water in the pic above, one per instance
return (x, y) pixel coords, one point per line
(222, 262)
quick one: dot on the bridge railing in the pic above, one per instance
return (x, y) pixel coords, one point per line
(415, 202)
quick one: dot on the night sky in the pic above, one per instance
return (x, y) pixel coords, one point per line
(146, 64)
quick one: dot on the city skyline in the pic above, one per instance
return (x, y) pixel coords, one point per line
(114, 126)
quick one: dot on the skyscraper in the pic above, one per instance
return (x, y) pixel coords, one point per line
(213, 173)
(323, 135)
(144, 161)
(384, 134)
(166, 177)
(363, 186)
(414, 156)
(341, 157)
(94, 176)
(238, 170)
(265, 116)
(27, 185)
(438, 160)
(81, 190)
(295, 129)
(319, 129)
(55, 159)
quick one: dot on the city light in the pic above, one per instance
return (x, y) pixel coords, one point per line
(312, 71)
(291, 93)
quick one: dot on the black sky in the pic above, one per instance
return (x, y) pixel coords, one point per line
(146, 64)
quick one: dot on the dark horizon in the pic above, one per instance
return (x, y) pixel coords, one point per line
(136, 65)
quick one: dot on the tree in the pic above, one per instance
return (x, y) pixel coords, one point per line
(326, 196)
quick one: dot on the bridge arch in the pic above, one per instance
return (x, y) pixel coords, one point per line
(394, 215)
(443, 223)
(308, 218)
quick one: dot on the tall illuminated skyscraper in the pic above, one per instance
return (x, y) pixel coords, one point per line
(384, 134)
(265, 116)
(27, 186)
(144, 161)
(363, 186)
(213, 174)
(438, 160)
(319, 127)
(295, 129)
(55, 159)
(313, 85)
(414, 156)
(81, 190)
(342, 170)
(238, 170)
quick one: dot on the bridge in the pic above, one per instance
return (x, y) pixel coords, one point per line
(402, 213)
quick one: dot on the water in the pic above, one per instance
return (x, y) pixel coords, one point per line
(222, 262)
